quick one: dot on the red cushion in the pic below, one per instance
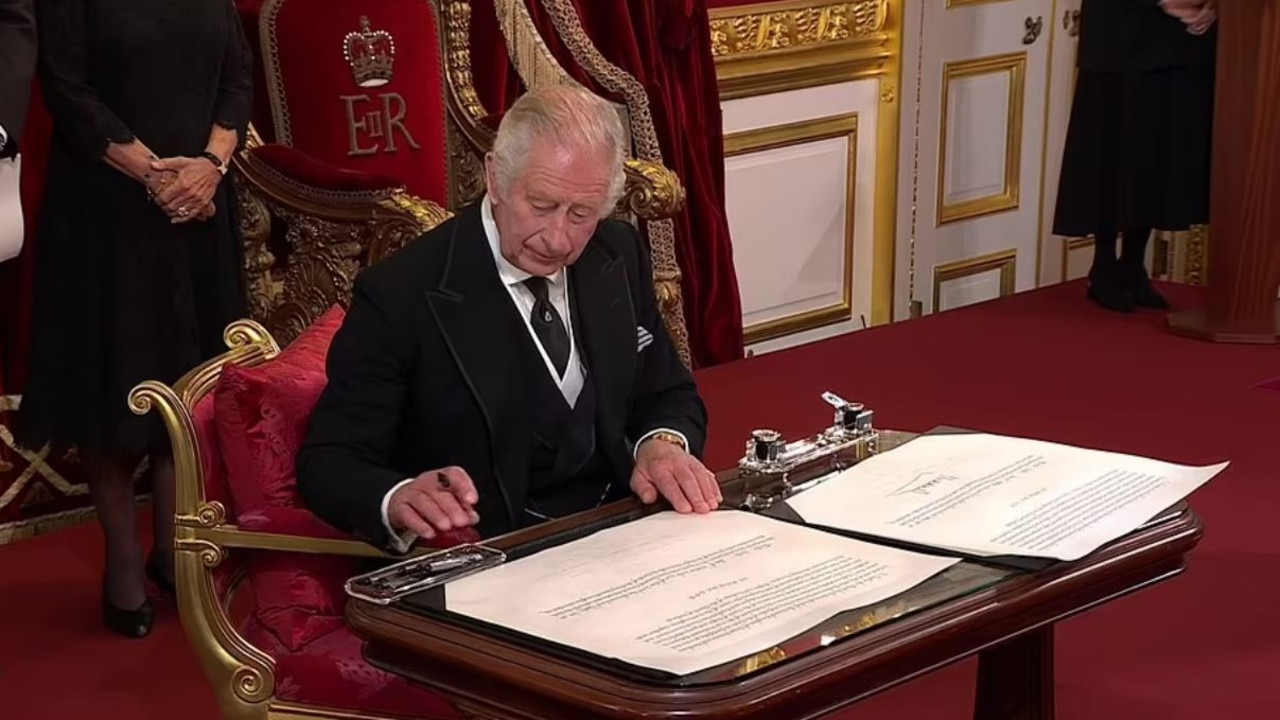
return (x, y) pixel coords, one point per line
(262, 417)
(261, 420)
(376, 107)
(332, 672)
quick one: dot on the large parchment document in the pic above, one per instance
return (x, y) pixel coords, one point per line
(684, 593)
(990, 495)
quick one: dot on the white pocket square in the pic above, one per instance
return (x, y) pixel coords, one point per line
(643, 338)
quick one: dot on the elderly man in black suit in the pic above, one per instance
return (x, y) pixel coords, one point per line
(17, 65)
(510, 366)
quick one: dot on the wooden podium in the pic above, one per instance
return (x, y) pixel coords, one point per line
(1244, 258)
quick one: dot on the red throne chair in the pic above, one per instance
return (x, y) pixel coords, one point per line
(344, 86)
(259, 578)
(362, 86)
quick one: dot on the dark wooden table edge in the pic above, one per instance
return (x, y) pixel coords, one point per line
(867, 663)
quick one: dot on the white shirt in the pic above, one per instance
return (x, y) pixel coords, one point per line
(557, 292)
(4, 137)
(570, 385)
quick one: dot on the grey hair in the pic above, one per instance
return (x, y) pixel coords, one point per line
(567, 115)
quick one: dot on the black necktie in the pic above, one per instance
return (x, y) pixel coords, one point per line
(548, 325)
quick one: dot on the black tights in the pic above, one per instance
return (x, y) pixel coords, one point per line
(111, 487)
(1133, 250)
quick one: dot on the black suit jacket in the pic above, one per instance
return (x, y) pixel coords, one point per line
(1137, 36)
(425, 373)
(17, 65)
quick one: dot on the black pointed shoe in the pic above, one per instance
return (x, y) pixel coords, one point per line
(1143, 291)
(1106, 292)
(129, 623)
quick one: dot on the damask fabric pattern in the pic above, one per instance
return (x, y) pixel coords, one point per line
(259, 422)
(331, 671)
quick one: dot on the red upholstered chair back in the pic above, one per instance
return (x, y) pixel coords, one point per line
(280, 648)
(359, 84)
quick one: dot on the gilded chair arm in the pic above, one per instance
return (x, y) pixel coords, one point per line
(231, 536)
(653, 192)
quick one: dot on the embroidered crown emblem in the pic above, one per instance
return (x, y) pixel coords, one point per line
(370, 53)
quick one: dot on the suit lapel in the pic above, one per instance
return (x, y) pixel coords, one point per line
(607, 323)
(477, 318)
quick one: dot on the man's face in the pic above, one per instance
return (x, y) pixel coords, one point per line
(550, 211)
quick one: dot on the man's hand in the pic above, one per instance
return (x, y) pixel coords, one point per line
(1201, 21)
(1182, 9)
(665, 468)
(436, 501)
(193, 187)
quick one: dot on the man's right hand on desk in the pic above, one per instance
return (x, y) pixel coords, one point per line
(436, 501)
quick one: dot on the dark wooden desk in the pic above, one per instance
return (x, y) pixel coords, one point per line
(1004, 616)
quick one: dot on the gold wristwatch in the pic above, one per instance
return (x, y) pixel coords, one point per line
(670, 437)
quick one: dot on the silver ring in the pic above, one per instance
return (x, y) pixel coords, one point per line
(182, 212)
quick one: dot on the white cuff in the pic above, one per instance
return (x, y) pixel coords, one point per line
(400, 542)
(646, 436)
(4, 137)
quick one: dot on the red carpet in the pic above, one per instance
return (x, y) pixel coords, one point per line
(1203, 646)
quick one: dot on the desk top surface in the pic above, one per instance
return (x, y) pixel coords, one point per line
(952, 615)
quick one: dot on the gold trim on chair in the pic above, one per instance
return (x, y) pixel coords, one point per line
(329, 237)
(466, 136)
(241, 674)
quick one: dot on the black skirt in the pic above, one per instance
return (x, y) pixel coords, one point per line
(1137, 152)
(121, 296)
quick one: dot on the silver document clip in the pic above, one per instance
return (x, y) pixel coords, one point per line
(416, 574)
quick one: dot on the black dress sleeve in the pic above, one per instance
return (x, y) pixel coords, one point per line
(80, 117)
(235, 86)
(17, 62)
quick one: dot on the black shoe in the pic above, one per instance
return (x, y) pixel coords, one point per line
(1109, 294)
(157, 576)
(1143, 292)
(130, 623)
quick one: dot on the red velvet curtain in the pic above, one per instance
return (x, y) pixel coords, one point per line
(17, 276)
(666, 46)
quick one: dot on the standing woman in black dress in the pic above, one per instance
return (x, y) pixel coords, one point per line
(1137, 150)
(139, 264)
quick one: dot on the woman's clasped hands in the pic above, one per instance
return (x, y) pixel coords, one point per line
(184, 187)
(1197, 15)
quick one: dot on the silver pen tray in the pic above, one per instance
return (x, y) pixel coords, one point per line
(389, 584)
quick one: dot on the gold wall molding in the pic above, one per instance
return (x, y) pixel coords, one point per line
(1014, 66)
(799, 133)
(768, 47)
(1006, 261)
(1176, 256)
(1070, 245)
(971, 3)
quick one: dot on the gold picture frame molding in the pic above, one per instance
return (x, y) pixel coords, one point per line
(765, 48)
(799, 133)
